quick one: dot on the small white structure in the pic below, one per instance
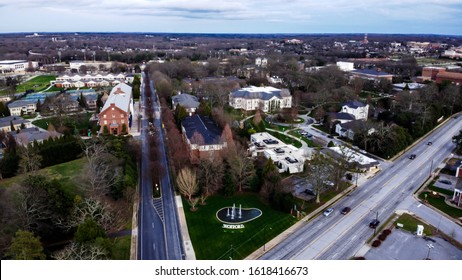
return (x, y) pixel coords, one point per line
(16, 66)
(363, 162)
(345, 66)
(356, 108)
(420, 229)
(285, 157)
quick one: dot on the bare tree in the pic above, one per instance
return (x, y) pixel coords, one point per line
(319, 173)
(85, 251)
(30, 160)
(187, 185)
(242, 168)
(89, 208)
(211, 175)
(101, 172)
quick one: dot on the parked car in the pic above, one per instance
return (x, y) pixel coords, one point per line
(346, 210)
(310, 192)
(328, 211)
(412, 156)
(447, 182)
(374, 223)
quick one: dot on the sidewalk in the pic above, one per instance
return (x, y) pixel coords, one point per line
(188, 247)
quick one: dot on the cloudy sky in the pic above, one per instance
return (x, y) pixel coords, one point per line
(233, 16)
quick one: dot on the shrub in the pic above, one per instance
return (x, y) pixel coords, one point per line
(376, 243)
(382, 237)
(386, 232)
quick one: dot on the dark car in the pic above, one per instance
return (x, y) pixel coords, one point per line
(330, 136)
(309, 192)
(429, 143)
(374, 223)
(412, 156)
(346, 210)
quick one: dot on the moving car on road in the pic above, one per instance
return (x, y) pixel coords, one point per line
(412, 156)
(328, 211)
(375, 223)
(345, 210)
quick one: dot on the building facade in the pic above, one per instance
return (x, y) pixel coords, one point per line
(267, 99)
(22, 107)
(359, 110)
(116, 115)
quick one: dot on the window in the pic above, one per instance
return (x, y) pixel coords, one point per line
(123, 121)
(104, 116)
(114, 122)
(121, 115)
(113, 115)
(105, 122)
(112, 108)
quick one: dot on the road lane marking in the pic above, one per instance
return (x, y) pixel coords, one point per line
(152, 225)
(154, 246)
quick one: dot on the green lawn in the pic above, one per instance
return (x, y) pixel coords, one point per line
(438, 202)
(440, 190)
(307, 140)
(212, 242)
(121, 248)
(286, 139)
(64, 172)
(410, 224)
(38, 83)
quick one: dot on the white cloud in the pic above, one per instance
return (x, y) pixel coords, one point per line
(334, 13)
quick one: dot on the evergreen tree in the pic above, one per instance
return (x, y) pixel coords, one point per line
(26, 246)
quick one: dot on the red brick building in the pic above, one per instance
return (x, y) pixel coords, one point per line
(440, 74)
(116, 115)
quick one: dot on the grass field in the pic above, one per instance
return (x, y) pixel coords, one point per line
(286, 139)
(212, 242)
(121, 248)
(439, 203)
(410, 224)
(66, 173)
(38, 83)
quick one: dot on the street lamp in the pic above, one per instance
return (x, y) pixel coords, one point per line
(430, 246)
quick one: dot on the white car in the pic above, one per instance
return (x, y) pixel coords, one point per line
(328, 211)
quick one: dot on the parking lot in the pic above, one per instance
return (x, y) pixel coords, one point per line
(402, 245)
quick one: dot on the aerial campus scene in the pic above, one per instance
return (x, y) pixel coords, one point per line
(231, 130)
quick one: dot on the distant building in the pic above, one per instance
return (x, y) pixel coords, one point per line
(17, 122)
(359, 110)
(345, 66)
(371, 74)
(99, 80)
(30, 135)
(267, 99)
(22, 107)
(187, 101)
(348, 129)
(361, 161)
(116, 113)
(16, 66)
(440, 74)
(411, 87)
(203, 136)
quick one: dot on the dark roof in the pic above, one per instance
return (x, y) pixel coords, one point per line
(6, 121)
(353, 125)
(186, 100)
(370, 72)
(263, 93)
(354, 104)
(341, 116)
(204, 126)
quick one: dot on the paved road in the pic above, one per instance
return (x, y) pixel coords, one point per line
(151, 242)
(340, 237)
(175, 250)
